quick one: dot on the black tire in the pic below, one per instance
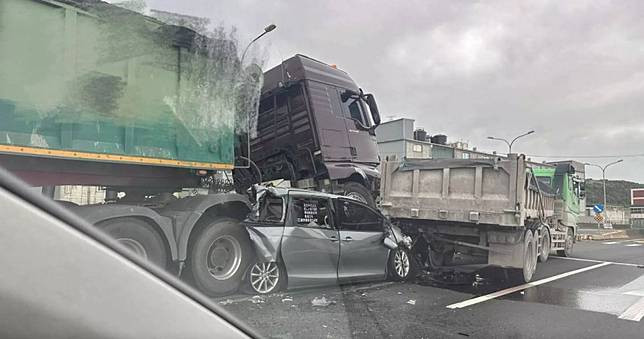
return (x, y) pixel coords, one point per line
(359, 192)
(567, 251)
(211, 253)
(138, 236)
(259, 266)
(394, 272)
(545, 245)
(525, 274)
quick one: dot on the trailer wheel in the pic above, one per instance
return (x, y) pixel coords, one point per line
(358, 192)
(525, 274)
(545, 245)
(139, 237)
(219, 257)
(567, 251)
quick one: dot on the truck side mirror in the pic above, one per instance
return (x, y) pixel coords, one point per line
(373, 107)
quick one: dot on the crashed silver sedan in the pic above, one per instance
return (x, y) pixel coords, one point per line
(305, 239)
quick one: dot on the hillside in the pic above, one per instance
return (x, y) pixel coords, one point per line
(618, 192)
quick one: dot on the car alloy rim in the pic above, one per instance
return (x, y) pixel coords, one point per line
(401, 263)
(264, 277)
(224, 257)
(134, 246)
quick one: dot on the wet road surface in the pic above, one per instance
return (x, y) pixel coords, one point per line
(599, 293)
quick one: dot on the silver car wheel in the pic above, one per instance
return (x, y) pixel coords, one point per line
(224, 257)
(134, 246)
(264, 277)
(401, 263)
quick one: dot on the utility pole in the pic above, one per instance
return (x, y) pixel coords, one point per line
(510, 143)
(603, 169)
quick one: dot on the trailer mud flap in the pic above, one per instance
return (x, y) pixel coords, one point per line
(509, 253)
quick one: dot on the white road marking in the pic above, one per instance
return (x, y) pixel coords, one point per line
(635, 312)
(633, 245)
(510, 290)
(599, 261)
(609, 243)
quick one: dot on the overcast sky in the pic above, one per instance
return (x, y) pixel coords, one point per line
(571, 70)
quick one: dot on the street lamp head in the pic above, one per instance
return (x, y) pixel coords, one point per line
(620, 160)
(530, 132)
(491, 137)
(270, 28)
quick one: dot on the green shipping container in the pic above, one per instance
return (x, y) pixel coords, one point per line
(88, 80)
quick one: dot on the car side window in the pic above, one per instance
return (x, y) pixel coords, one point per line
(311, 212)
(271, 210)
(357, 217)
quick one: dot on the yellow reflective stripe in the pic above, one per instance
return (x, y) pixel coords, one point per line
(113, 157)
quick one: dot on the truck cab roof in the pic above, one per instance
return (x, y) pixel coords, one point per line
(300, 67)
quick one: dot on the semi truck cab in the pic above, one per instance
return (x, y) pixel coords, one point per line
(316, 129)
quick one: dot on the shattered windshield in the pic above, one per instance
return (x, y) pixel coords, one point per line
(497, 192)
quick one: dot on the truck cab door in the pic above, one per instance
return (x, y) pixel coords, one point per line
(310, 246)
(363, 254)
(363, 144)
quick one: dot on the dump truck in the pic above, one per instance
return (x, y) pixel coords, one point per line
(160, 118)
(466, 215)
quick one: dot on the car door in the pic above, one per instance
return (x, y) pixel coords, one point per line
(363, 255)
(310, 246)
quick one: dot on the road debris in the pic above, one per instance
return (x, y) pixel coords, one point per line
(321, 302)
(226, 302)
(411, 301)
(256, 299)
(287, 299)
(399, 293)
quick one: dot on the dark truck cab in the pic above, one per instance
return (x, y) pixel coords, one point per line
(315, 128)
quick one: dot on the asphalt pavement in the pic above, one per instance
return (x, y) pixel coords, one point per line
(597, 293)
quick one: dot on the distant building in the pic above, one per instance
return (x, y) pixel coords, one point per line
(399, 137)
(637, 208)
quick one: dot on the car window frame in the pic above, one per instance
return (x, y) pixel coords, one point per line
(21, 190)
(360, 203)
(291, 217)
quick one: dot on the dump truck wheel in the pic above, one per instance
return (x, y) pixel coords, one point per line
(524, 275)
(219, 257)
(567, 251)
(139, 237)
(545, 245)
(358, 192)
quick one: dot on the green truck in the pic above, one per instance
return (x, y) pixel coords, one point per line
(158, 115)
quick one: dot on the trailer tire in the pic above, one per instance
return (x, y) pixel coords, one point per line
(524, 274)
(219, 257)
(139, 237)
(359, 192)
(567, 251)
(545, 245)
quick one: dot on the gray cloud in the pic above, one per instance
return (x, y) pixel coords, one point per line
(571, 70)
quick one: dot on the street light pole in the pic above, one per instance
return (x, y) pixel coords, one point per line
(266, 30)
(603, 169)
(510, 143)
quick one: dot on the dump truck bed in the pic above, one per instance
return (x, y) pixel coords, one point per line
(475, 191)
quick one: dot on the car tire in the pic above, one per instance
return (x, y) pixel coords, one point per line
(525, 274)
(219, 257)
(545, 245)
(567, 251)
(358, 192)
(401, 265)
(266, 277)
(138, 236)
